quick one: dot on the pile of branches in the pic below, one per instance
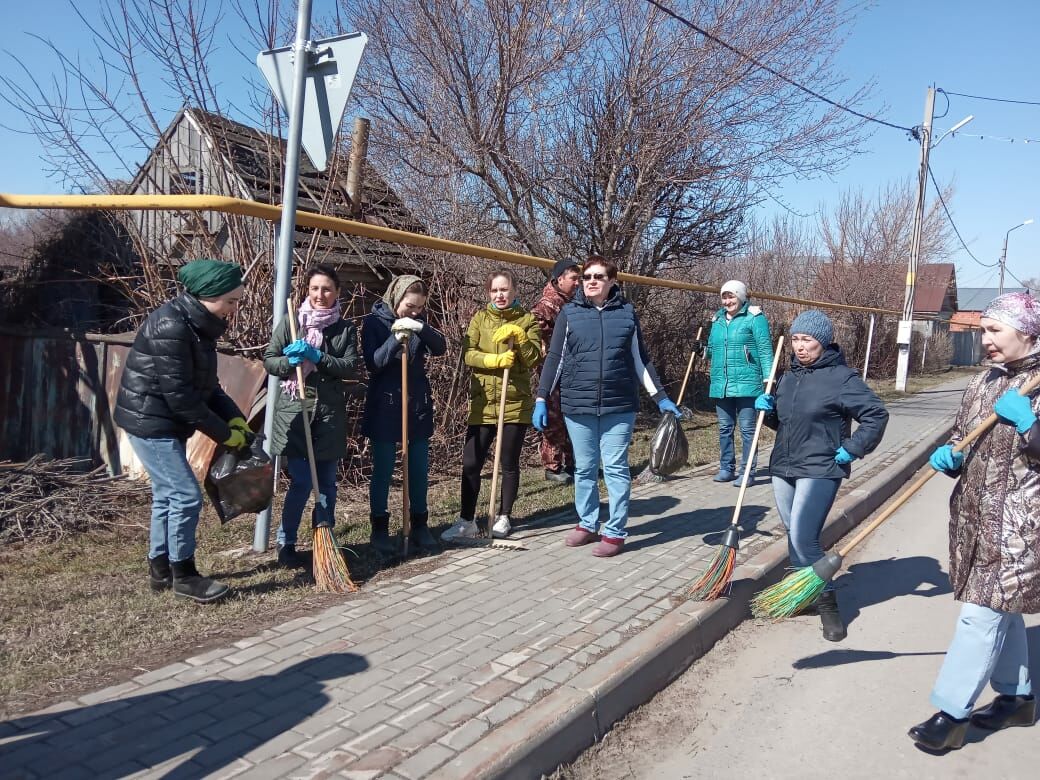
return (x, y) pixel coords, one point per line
(46, 499)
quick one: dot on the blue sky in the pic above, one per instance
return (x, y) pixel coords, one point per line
(901, 45)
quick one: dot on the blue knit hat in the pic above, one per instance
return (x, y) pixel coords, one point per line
(816, 324)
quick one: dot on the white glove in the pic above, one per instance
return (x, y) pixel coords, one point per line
(402, 335)
(406, 324)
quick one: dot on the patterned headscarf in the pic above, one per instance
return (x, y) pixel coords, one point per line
(396, 290)
(1019, 310)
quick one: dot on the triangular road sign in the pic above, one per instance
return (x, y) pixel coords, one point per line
(332, 65)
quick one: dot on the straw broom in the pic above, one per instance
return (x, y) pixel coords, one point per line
(717, 576)
(330, 570)
(800, 588)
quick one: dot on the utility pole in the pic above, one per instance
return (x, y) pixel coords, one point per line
(1003, 255)
(906, 324)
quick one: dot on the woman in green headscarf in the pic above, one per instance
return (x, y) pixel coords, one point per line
(169, 390)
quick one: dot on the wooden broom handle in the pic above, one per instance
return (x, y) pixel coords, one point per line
(303, 409)
(918, 483)
(689, 369)
(498, 442)
(406, 509)
(750, 456)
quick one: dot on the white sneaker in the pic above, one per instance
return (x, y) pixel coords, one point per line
(461, 529)
(501, 528)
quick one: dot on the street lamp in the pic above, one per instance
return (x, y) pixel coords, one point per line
(954, 129)
(1003, 255)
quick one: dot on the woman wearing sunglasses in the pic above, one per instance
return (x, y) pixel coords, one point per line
(598, 358)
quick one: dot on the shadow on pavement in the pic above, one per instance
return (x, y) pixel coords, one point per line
(709, 522)
(875, 582)
(842, 657)
(215, 722)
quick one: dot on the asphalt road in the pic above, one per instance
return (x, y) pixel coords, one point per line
(774, 700)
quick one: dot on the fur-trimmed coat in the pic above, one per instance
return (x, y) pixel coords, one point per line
(995, 507)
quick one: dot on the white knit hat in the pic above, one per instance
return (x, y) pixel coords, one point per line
(739, 289)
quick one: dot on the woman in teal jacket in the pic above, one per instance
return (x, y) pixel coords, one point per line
(741, 352)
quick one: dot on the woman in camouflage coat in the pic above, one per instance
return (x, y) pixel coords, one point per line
(994, 535)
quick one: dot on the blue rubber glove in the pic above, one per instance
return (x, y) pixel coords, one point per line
(843, 457)
(945, 459)
(294, 347)
(1015, 409)
(540, 415)
(668, 405)
(765, 403)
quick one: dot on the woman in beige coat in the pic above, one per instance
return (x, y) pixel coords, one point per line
(994, 535)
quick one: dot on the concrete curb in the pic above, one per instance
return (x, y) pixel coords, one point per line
(557, 728)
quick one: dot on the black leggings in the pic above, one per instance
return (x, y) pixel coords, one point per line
(478, 441)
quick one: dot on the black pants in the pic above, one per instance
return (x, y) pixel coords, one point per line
(478, 441)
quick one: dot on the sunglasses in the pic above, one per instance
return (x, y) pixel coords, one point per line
(597, 277)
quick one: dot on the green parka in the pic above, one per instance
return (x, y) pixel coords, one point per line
(329, 424)
(741, 353)
(486, 383)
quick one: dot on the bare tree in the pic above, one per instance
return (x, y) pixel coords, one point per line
(604, 125)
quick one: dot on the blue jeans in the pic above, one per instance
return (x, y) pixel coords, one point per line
(300, 490)
(176, 497)
(605, 438)
(733, 412)
(803, 505)
(384, 456)
(988, 646)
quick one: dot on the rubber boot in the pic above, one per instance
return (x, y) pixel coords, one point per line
(940, 732)
(189, 584)
(159, 575)
(288, 558)
(420, 536)
(1006, 710)
(380, 539)
(830, 617)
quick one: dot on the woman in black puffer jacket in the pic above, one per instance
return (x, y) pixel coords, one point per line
(169, 390)
(812, 413)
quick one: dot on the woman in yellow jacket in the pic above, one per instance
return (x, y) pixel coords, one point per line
(486, 350)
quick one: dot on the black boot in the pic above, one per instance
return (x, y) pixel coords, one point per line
(1006, 711)
(189, 584)
(420, 536)
(288, 558)
(940, 732)
(159, 575)
(830, 617)
(381, 540)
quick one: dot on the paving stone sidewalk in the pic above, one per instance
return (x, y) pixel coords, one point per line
(398, 680)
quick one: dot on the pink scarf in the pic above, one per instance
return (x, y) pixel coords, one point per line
(311, 322)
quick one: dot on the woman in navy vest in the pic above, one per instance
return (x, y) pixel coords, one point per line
(598, 358)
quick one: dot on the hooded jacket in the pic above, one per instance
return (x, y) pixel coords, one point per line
(598, 358)
(325, 383)
(169, 386)
(994, 509)
(486, 383)
(382, 353)
(741, 353)
(815, 407)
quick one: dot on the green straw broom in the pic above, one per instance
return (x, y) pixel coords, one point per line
(800, 588)
(716, 577)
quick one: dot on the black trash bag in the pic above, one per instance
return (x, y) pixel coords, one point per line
(241, 481)
(669, 448)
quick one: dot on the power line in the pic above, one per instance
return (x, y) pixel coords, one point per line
(992, 99)
(682, 20)
(954, 224)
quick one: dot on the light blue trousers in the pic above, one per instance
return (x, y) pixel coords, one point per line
(988, 646)
(601, 439)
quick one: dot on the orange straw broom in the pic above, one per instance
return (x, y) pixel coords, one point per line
(330, 570)
(717, 576)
